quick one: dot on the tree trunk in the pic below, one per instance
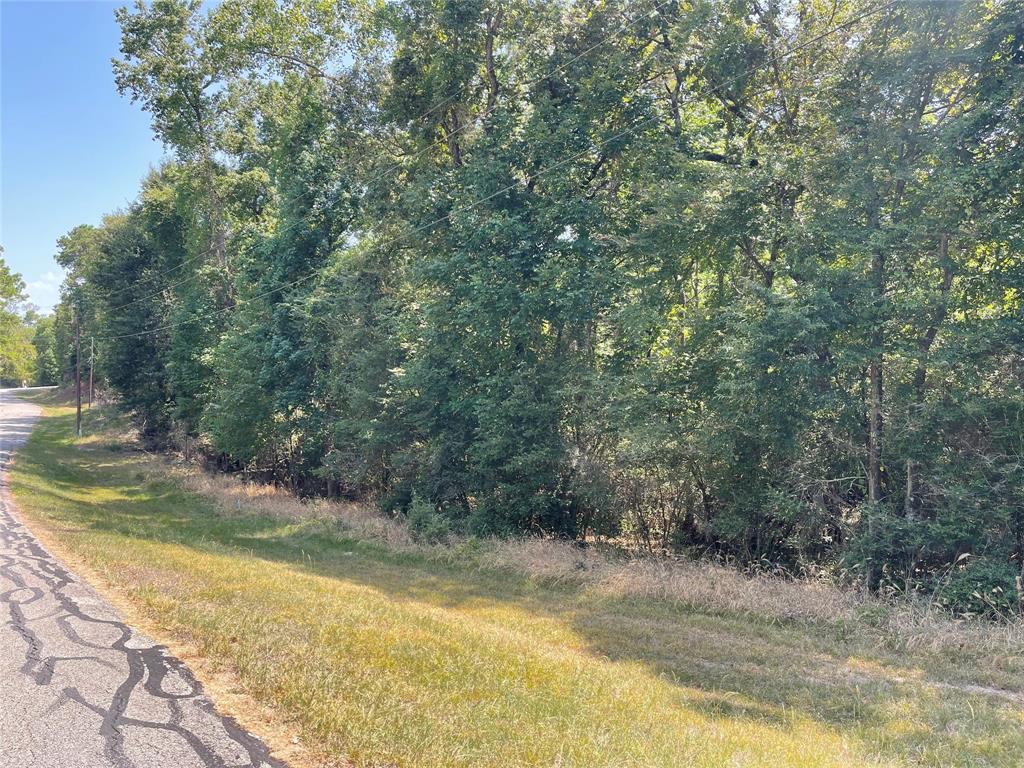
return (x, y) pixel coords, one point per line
(875, 430)
(452, 128)
(924, 346)
(875, 374)
(493, 25)
(875, 398)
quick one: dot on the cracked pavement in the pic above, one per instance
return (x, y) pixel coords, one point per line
(78, 687)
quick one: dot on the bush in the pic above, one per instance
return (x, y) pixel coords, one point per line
(426, 524)
(982, 588)
(398, 498)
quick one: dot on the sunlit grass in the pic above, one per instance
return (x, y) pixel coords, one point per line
(391, 657)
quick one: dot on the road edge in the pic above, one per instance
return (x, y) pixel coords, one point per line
(220, 684)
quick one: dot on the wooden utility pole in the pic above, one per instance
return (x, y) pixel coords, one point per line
(78, 375)
(92, 365)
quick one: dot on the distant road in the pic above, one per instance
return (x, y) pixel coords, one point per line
(78, 687)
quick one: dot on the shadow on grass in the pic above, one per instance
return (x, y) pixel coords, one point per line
(730, 667)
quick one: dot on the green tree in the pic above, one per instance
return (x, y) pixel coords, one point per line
(741, 277)
(17, 356)
(44, 341)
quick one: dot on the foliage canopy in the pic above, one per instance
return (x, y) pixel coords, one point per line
(740, 277)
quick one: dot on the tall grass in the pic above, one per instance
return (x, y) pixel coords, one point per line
(379, 650)
(702, 584)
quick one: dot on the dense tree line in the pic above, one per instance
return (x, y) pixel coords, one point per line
(22, 332)
(733, 276)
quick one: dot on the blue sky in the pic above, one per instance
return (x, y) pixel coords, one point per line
(72, 148)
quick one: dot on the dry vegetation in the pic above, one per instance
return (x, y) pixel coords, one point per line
(384, 651)
(701, 584)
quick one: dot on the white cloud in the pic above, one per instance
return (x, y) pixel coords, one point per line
(44, 292)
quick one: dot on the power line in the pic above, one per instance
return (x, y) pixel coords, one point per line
(395, 166)
(565, 161)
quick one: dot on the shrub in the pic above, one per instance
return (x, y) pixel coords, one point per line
(982, 588)
(426, 524)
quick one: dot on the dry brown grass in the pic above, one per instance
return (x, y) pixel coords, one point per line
(701, 584)
(234, 495)
(384, 651)
(718, 588)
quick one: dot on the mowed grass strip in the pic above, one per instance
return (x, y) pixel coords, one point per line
(394, 658)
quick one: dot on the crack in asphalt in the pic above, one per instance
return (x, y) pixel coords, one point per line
(141, 675)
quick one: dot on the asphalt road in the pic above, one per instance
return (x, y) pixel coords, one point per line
(78, 687)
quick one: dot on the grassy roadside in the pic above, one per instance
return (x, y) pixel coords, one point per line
(384, 656)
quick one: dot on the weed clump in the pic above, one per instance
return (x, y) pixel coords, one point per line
(426, 524)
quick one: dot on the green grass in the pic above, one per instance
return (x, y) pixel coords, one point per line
(396, 658)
